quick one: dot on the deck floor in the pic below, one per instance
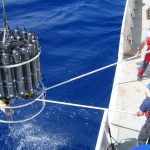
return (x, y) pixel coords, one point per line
(128, 93)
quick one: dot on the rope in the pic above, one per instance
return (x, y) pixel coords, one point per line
(71, 104)
(92, 72)
(86, 74)
(85, 106)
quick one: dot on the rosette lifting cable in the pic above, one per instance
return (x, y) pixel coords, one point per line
(4, 15)
(5, 21)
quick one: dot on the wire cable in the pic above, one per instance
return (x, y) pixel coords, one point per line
(4, 15)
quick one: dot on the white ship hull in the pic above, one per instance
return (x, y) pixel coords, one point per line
(127, 93)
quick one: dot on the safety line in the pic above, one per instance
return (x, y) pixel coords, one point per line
(85, 106)
(94, 71)
(86, 74)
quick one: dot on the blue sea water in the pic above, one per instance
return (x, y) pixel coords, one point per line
(76, 36)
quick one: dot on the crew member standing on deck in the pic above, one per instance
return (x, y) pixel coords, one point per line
(145, 109)
(146, 61)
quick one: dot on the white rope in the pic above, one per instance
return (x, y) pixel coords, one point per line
(86, 74)
(71, 104)
(85, 106)
(92, 72)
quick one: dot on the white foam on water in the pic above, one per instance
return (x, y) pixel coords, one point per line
(29, 136)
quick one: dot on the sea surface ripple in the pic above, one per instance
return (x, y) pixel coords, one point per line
(76, 36)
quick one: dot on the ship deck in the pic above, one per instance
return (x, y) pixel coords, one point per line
(128, 93)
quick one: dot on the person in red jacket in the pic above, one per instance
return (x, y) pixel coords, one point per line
(146, 61)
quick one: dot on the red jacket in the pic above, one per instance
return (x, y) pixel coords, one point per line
(148, 43)
(147, 114)
(147, 56)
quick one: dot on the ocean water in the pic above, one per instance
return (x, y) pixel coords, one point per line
(76, 36)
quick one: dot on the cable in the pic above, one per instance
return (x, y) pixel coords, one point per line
(67, 81)
(4, 15)
(112, 145)
(5, 22)
(86, 74)
(92, 72)
(86, 106)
